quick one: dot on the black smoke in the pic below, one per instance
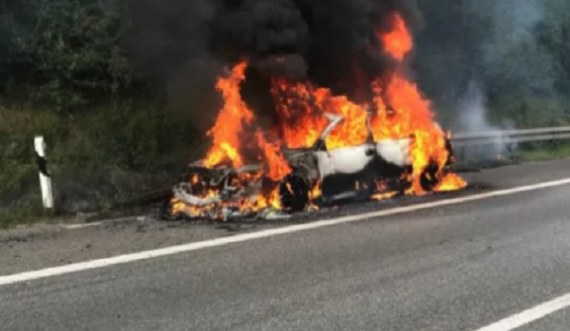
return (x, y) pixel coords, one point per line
(332, 43)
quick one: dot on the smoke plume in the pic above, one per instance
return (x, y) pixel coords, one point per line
(333, 43)
(511, 53)
(484, 53)
(494, 43)
(473, 114)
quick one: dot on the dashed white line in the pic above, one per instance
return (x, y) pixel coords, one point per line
(128, 258)
(528, 316)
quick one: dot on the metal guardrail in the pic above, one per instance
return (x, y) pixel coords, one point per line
(510, 136)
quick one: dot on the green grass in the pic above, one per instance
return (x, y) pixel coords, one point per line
(96, 157)
(23, 215)
(544, 153)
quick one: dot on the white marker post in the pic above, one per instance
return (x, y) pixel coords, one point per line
(45, 178)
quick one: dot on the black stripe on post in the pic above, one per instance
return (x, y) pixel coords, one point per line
(42, 165)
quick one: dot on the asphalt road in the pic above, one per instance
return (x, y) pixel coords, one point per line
(457, 267)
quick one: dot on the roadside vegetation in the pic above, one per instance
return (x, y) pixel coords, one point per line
(73, 72)
(550, 151)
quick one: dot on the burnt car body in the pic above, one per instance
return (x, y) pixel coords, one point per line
(348, 173)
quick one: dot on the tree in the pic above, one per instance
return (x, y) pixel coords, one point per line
(68, 52)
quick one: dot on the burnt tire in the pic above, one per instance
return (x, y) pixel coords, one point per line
(294, 193)
(429, 178)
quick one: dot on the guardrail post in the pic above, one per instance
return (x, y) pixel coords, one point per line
(45, 177)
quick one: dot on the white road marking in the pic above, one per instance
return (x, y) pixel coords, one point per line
(530, 315)
(100, 223)
(128, 258)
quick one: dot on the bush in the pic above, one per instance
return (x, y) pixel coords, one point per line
(64, 54)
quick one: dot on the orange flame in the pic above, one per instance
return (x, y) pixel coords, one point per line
(302, 109)
(398, 42)
(229, 124)
(277, 166)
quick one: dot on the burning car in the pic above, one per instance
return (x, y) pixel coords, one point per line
(318, 177)
(322, 146)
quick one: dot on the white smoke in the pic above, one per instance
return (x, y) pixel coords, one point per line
(513, 23)
(473, 118)
(511, 52)
(510, 34)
